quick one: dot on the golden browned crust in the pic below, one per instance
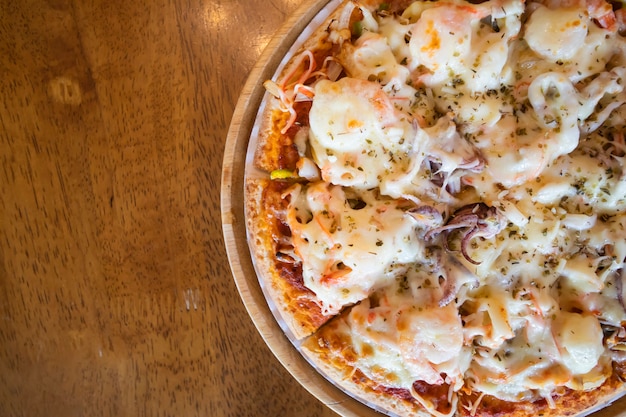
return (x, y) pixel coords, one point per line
(275, 150)
(282, 280)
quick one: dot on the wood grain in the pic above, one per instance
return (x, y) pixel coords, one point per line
(116, 297)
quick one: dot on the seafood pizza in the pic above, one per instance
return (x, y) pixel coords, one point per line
(437, 211)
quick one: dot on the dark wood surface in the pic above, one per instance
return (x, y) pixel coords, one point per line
(116, 298)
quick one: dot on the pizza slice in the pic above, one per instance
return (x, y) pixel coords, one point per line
(400, 348)
(406, 350)
(321, 247)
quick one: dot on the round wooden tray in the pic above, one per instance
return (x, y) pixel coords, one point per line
(234, 228)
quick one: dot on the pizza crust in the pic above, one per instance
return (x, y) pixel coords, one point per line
(271, 143)
(330, 352)
(297, 306)
(269, 139)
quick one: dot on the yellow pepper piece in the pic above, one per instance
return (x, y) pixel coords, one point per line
(279, 174)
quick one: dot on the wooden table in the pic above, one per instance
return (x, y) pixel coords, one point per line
(116, 297)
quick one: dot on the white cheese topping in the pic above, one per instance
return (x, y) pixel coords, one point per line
(349, 243)
(357, 136)
(409, 335)
(472, 195)
(557, 34)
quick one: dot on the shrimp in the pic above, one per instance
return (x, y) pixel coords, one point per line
(430, 337)
(601, 11)
(556, 103)
(566, 27)
(442, 36)
(552, 129)
(451, 40)
(348, 242)
(513, 155)
(372, 57)
(355, 127)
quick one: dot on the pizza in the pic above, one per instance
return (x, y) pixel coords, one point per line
(435, 204)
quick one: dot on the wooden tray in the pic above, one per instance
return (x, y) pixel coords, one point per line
(234, 228)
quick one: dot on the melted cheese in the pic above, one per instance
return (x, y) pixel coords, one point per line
(357, 136)
(580, 339)
(449, 105)
(557, 34)
(349, 244)
(408, 335)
